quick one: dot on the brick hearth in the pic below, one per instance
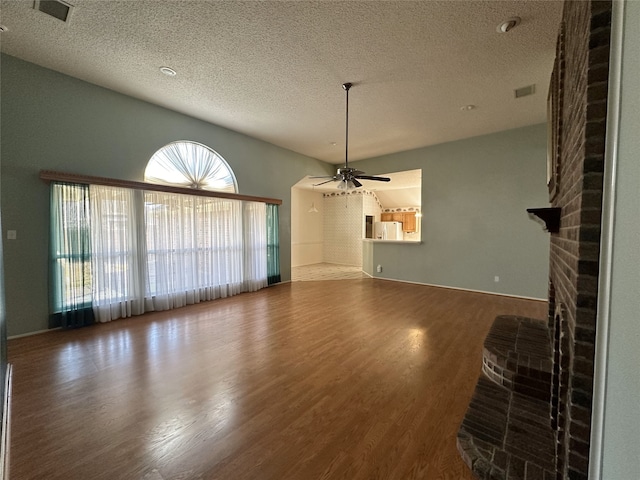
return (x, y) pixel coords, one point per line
(507, 431)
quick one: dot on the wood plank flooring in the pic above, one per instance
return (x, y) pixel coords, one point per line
(350, 379)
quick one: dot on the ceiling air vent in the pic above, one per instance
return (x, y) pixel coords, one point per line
(55, 8)
(525, 91)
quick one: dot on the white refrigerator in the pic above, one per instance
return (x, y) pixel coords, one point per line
(388, 231)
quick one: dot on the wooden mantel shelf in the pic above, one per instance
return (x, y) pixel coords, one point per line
(549, 218)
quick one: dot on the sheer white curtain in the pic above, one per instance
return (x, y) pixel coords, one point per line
(194, 249)
(255, 246)
(220, 247)
(158, 251)
(117, 252)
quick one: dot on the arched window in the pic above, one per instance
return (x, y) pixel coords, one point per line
(192, 165)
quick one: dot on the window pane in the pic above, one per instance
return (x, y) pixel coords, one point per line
(192, 165)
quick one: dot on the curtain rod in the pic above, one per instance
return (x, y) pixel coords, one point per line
(49, 176)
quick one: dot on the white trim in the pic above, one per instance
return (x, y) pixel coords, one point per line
(37, 332)
(6, 425)
(606, 243)
(465, 289)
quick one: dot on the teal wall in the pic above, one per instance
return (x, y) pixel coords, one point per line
(367, 257)
(475, 193)
(3, 333)
(55, 122)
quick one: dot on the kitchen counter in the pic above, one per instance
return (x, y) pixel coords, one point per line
(379, 240)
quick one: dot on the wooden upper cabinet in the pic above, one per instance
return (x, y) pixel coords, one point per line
(408, 219)
(409, 222)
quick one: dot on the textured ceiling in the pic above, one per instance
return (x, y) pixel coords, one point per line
(274, 69)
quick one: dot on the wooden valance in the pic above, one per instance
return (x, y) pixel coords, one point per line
(51, 176)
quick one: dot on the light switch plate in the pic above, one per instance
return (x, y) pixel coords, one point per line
(12, 234)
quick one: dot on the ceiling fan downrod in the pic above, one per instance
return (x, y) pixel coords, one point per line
(348, 177)
(346, 87)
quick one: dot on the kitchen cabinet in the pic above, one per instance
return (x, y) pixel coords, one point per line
(408, 220)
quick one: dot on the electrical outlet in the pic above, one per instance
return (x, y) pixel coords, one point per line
(496, 279)
(379, 268)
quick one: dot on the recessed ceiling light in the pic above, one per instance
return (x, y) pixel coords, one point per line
(508, 25)
(466, 108)
(169, 72)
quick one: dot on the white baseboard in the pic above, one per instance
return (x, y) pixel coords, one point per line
(37, 332)
(464, 289)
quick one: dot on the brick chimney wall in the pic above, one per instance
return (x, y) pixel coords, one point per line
(580, 97)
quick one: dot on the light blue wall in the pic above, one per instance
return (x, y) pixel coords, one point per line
(367, 257)
(55, 122)
(3, 334)
(475, 193)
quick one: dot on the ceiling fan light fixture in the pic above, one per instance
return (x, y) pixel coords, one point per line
(348, 185)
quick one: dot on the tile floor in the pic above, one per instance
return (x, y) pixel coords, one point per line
(325, 271)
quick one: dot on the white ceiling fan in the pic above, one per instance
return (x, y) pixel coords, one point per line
(347, 176)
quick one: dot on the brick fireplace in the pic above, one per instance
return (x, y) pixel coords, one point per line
(488, 438)
(580, 93)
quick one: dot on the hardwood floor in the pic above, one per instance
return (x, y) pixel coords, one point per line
(351, 379)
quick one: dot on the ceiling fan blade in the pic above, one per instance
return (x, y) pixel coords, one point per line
(378, 179)
(323, 176)
(356, 182)
(322, 183)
